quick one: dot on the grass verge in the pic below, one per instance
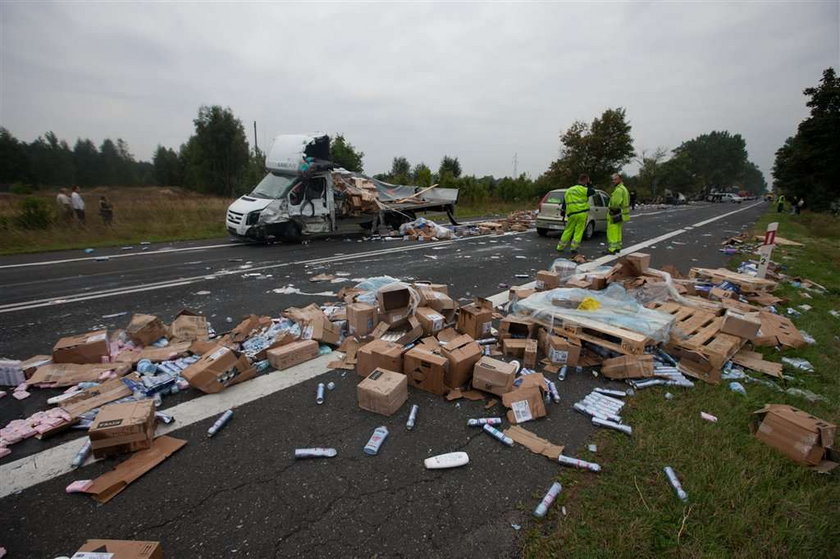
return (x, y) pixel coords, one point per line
(745, 499)
(140, 214)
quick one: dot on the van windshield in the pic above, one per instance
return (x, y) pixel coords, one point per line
(274, 186)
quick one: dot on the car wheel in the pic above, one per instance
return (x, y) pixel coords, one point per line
(542, 232)
(589, 231)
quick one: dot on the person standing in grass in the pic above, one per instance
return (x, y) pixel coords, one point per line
(780, 203)
(576, 209)
(78, 205)
(65, 208)
(619, 212)
(106, 210)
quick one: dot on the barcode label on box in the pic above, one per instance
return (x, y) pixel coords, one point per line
(521, 411)
(558, 356)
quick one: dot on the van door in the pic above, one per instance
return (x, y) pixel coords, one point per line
(310, 204)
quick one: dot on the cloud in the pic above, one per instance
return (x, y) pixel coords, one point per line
(479, 81)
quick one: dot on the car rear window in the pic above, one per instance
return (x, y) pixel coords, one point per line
(554, 198)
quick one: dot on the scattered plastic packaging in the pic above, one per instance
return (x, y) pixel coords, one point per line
(315, 452)
(82, 455)
(807, 394)
(548, 499)
(79, 486)
(708, 417)
(376, 440)
(330, 385)
(498, 435)
(592, 448)
(221, 422)
(578, 463)
(412, 417)
(319, 394)
(669, 396)
(799, 363)
(737, 387)
(675, 483)
(480, 421)
(807, 337)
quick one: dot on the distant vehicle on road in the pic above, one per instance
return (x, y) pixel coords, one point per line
(305, 195)
(549, 218)
(734, 198)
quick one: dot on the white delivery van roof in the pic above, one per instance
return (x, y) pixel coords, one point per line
(289, 150)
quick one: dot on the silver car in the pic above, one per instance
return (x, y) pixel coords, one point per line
(549, 218)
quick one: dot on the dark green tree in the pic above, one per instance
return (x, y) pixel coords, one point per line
(449, 166)
(86, 160)
(400, 171)
(753, 179)
(218, 154)
(109, 163)
(598, 149)
(422, 175)
(344, 154)
(716, 159)
(807, 165)
(51, 161)
(167, 169)
(14, 159)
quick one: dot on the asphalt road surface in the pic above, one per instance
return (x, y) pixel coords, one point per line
(241, 493)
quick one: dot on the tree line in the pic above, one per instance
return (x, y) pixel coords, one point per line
(217, 159)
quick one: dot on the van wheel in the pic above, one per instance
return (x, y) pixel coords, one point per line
(542, 232)
(589, 231)
(292, 233)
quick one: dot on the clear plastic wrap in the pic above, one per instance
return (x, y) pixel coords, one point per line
(439, 231)
(372, 285)
(617, 309)
(564, 268)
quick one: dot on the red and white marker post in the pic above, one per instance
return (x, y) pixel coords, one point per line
(766, 249)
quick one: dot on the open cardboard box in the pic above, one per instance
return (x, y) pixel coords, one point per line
(82, 349)
(800, 436)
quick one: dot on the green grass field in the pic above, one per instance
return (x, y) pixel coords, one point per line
(140, 214)
(745, 499)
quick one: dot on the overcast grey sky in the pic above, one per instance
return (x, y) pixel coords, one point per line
(481, 81)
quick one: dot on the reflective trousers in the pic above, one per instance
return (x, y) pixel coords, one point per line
(614, 235)
(575, 225)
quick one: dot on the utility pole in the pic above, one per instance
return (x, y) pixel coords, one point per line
(256, 147)
(515, 165)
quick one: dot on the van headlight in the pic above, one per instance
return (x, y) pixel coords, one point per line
(253, 217)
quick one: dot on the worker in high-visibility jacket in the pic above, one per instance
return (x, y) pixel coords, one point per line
(780, 203)
(619, 212)
(576, 209)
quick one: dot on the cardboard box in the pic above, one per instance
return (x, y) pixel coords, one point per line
(628, 366)
(189, 326)
(562, 351)
(379, 354)
(526, 402)
(145, 329)
(316, 325)
(547, 280)
(361, 319)
(798, 435)
(494, 376)
(639, 262)
(394, 302)
(529, 358)
(383, 391)
(121, 428)
(743, 325)
(110, 484)
(81, 349)
(463, 353)
(402, 334)
(514, 347)
(439, 301)
(516, 327)
(439, 287)
(431, 320)
(292, 354)
(475, 321)
(217, 369)
(426, 370)
(517, 293)
(119, 549)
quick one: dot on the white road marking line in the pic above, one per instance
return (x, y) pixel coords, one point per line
(55, 461)
(112, 256)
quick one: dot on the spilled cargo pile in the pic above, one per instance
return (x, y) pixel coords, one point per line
(629, 323)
